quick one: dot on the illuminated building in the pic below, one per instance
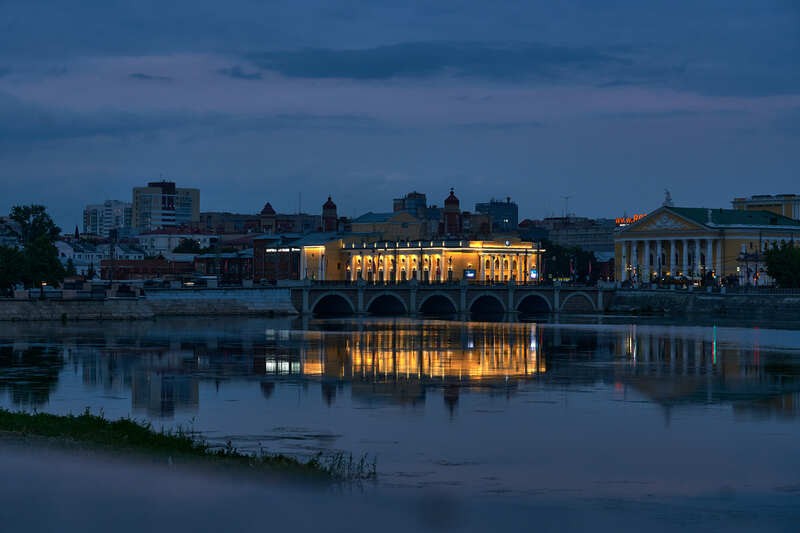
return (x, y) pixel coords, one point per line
(787, 205)
(700, 243)
(437, 261)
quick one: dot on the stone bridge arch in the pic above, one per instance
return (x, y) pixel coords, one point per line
(332, 303)
(433, 304)
(486, 303)
(386, 303)
(578, 302)
(533, 303)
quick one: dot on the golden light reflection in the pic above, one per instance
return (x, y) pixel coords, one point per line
(472, 353)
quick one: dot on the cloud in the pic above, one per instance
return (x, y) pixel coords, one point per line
(148, 77)
(23, 123)
(239, 73)
(425, 59)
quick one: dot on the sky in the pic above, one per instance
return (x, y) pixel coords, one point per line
(606, 103)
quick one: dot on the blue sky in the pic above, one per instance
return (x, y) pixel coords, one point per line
(608, 102)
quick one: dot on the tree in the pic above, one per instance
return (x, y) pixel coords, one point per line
(568, 262)
(783, 265)
(12, 264)
(34, 223)
(42, 264)
(70, 270)
(38, 262)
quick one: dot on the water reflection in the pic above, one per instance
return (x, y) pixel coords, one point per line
(29, 373)
(161, 367)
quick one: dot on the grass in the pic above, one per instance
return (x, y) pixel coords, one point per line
(130, 435)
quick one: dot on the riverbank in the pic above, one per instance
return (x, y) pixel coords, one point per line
(90, 432)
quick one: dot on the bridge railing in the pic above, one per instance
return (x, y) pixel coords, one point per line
(442, 284)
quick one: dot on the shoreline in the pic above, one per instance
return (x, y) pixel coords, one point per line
(631, 303)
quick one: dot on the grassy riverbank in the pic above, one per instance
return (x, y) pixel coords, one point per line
(127, 435)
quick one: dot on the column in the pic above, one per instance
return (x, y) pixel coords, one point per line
(635, 258)
(696, 270)
(623, 274)
(491, 273)
(659, 251)
(672, 243)
(646, 272)
(709, 255)
(685, 254)
(718, 266)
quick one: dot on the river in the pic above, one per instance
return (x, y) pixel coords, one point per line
(593, 409)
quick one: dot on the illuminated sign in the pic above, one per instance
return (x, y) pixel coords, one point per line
(469, 273)
(624, 221)
(534, 273)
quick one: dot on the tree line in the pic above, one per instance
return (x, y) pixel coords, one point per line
(35, 261)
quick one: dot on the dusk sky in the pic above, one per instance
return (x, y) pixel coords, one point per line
(255, 101)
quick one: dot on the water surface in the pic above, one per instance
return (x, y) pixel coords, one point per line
(586, 410)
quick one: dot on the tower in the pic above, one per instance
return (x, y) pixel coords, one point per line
(268, 216)
(452, 214)
(329, 216)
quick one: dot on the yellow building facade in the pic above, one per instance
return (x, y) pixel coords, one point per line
(693, 243)
(787, 205)
(425, 261)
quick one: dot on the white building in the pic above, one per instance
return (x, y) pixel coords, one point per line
(84, 256)
(156, 243)
(163, 205)
(101, 219)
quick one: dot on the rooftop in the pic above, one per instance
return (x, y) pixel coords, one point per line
(733, 217)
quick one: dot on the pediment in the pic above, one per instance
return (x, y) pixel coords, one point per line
(663, 221)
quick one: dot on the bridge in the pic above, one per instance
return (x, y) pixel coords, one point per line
(413, 298)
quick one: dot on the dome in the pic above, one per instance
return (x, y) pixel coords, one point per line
(329, 204)
(267, 209)
(452, 199)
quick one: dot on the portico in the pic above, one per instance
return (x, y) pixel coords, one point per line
(699, 244)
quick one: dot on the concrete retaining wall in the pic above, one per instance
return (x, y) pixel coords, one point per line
(177, 302)
(677, 303)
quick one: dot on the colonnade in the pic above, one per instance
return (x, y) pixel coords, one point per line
(502, 267)
(645, 259)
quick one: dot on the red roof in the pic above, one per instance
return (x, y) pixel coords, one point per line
(267, 209)
(329, 204)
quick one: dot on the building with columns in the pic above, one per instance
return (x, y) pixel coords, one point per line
(439, 261)
(351, 258)
(698, 243)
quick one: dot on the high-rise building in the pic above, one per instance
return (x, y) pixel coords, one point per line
(101, 219)
(414, 203)
(504, 215)
(163, 205)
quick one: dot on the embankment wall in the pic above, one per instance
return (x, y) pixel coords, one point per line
(177, 302)
(679, 303)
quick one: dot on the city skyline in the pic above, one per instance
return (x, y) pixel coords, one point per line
(607, 105)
